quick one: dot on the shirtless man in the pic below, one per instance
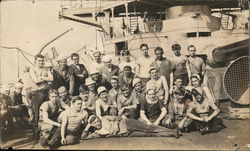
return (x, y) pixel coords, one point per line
(40, 75)
(202, 111)
(73, 121)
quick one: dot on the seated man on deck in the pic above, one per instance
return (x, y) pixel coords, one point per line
(126, 104)
(177, 108)
(152, 111)
(20, 112)
(49, 112)
(203, 112)
(74, 120)
(64, 97)
(104, 105)
(114, 92)
(88, 103)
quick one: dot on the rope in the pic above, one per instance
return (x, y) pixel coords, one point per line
(27, 53)
(21, 51)
(25, 56)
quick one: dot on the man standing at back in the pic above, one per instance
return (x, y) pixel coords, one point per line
(62, 75)
(164, 65)
(40, 75)
(144, 64)
(108, 69)
(180, 67)
(97, 63)
(195, 64)
(79, 71)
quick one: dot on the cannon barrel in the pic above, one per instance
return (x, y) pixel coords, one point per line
(231, 51)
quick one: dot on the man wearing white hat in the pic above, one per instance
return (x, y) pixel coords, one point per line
(6, 107)
(63, 76)
(109, 69)
(99, 79)
(20, 112)
(138, 92)
(104, 105)
(113, 93)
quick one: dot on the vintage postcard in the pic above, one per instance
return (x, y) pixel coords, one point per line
(124, 74)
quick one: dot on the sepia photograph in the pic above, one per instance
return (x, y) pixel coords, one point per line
(124, 75)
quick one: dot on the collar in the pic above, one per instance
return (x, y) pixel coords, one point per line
(152, 102)
(161, 60)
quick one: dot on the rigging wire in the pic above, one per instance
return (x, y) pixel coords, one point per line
(21, 51)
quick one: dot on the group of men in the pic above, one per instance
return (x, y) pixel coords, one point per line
(151, 96)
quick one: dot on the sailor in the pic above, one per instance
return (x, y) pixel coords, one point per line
(153, 110)
(126, 61)
(127, 106)
(109, 69)
(179, 66)
(99, 79)
(79, 71)
(20, 112)
(97, 63)
(196, 84)
(7, 106)
(203, 112)
(64, 97)
(144, 63)
(92, 89)
(48, 124)
(126, 76)
(138, 93)
(112, 126)
(164, 65)
(114, 92)
(40, 75)
(195, 64)
(177, 107)
(104, 105)
(88, 103)
(159, 84)
(63, 76)
(73, 122)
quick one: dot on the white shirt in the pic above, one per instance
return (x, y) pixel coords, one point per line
(144, 66)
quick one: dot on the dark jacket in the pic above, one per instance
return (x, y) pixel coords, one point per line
(78, 80)
(66, 80)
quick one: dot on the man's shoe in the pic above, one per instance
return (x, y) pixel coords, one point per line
(177, 134)
(204, 130)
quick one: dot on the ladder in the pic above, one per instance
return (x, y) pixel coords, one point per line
(133, 23)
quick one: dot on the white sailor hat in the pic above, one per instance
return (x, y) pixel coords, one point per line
(18, 85)
(101, 89)
(135, 81)
(89, 81)
(93, 71)
(61, 57)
